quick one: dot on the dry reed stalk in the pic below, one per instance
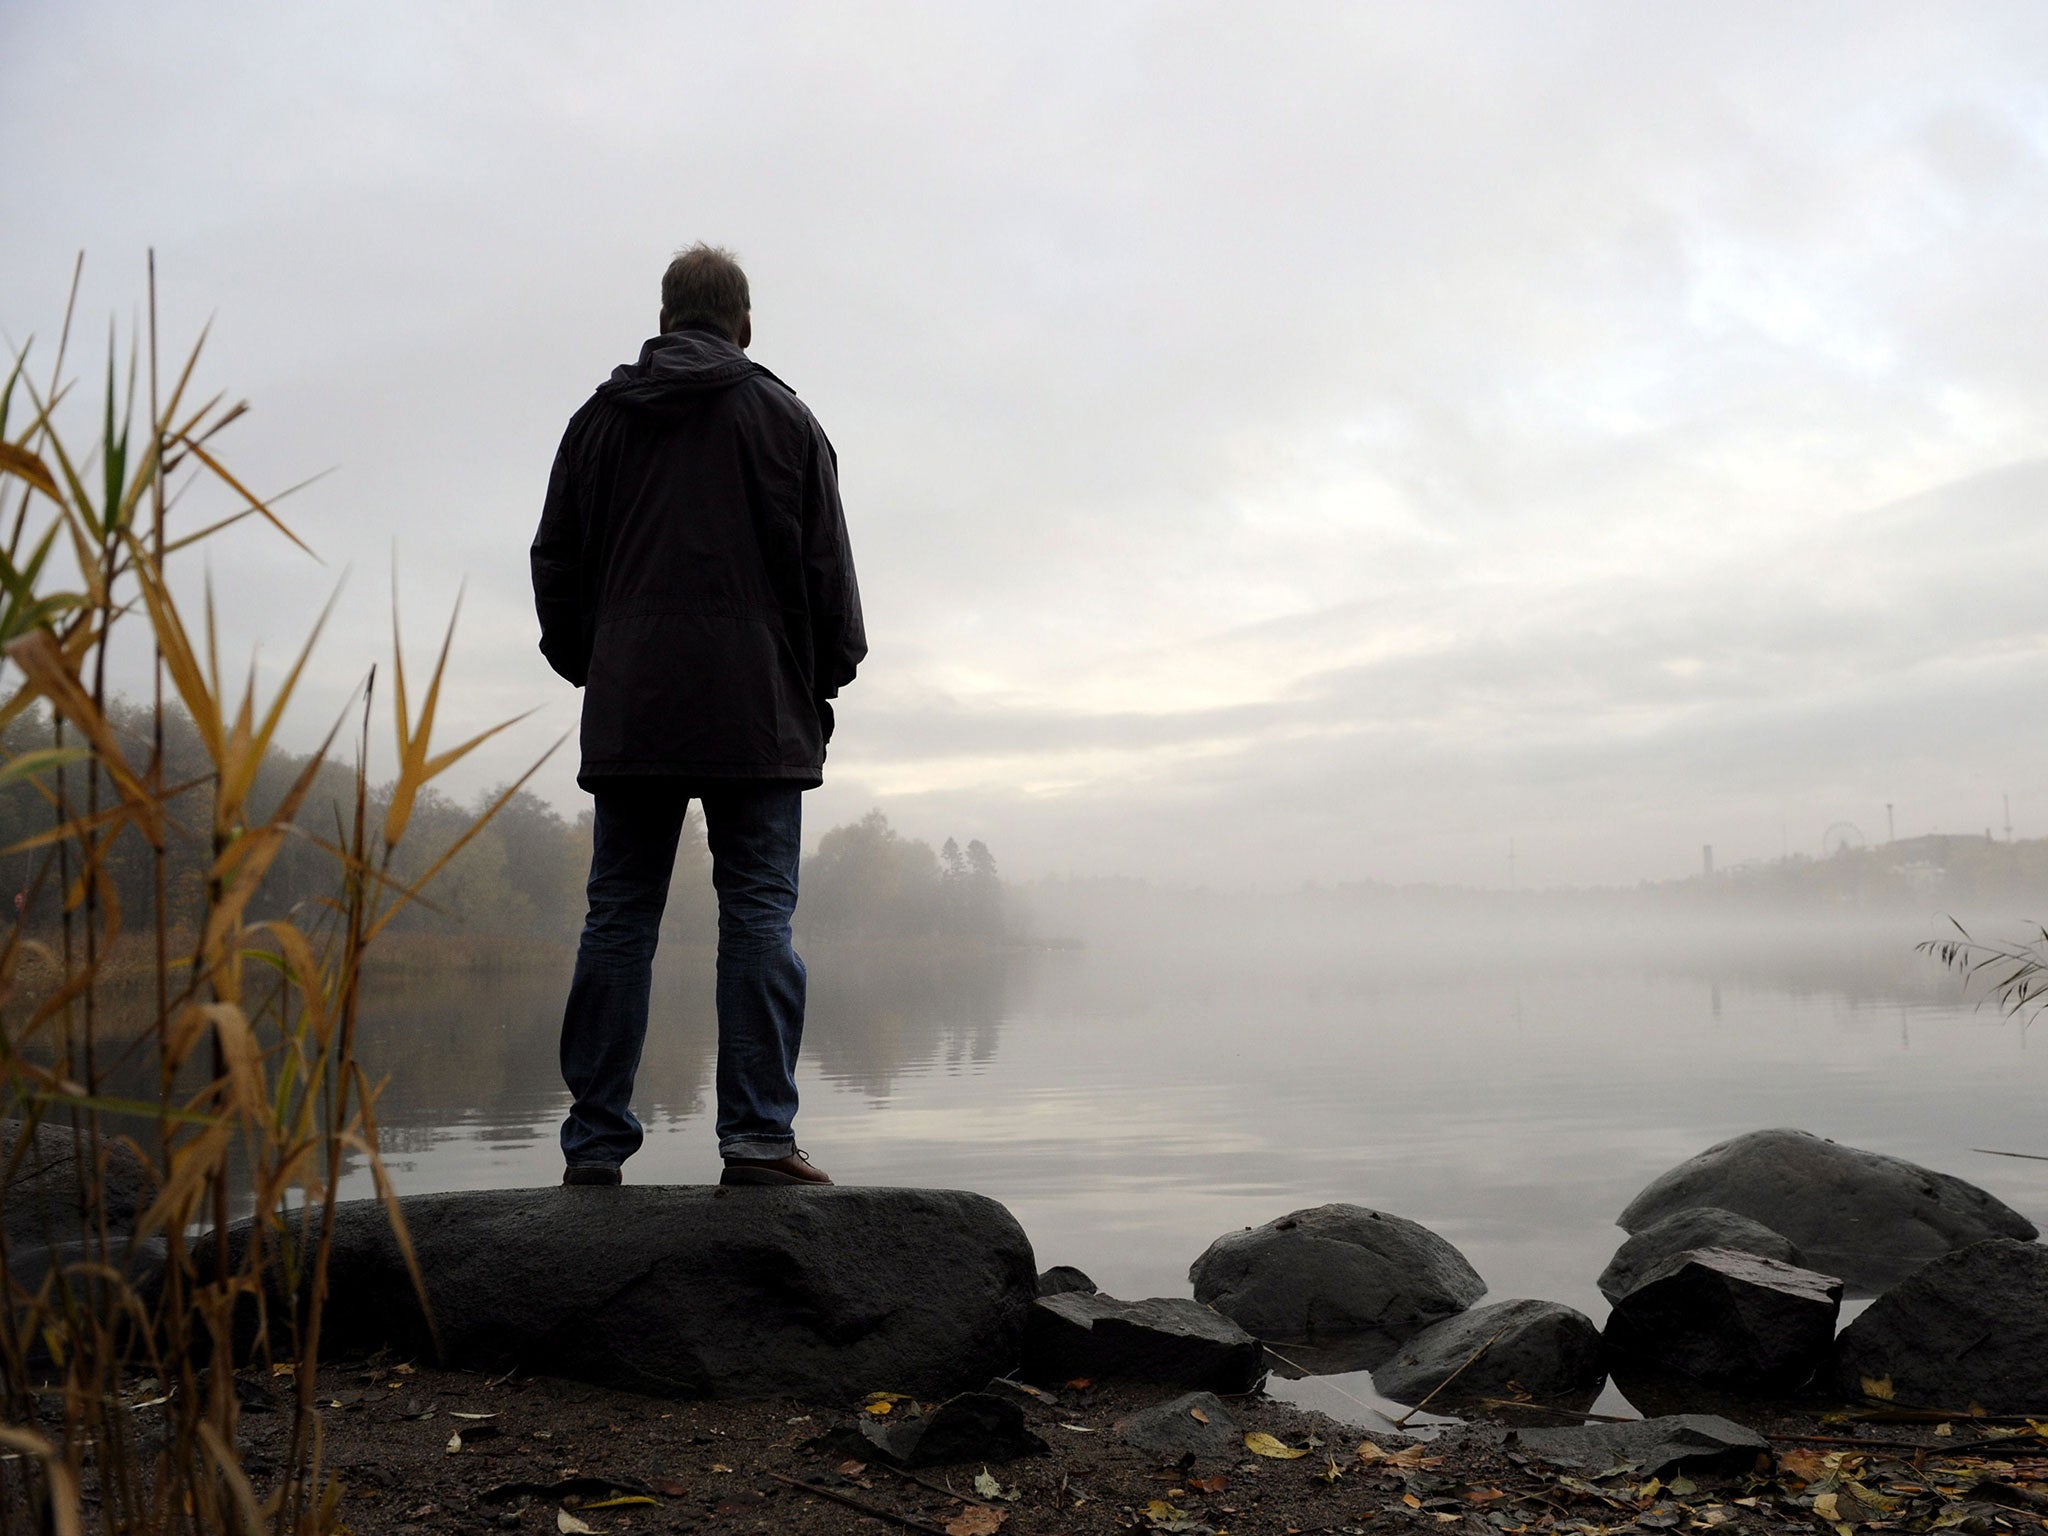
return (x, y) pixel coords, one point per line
(259, 1102)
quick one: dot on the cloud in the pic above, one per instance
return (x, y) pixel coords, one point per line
(1276, 447)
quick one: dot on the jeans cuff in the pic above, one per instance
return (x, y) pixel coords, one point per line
(757, 1150)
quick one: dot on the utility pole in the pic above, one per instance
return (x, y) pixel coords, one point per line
(1890, 833)
(2008, 818)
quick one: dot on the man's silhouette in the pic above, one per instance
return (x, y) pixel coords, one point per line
(692, 575)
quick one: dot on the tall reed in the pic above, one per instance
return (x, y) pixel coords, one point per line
(118, 1345)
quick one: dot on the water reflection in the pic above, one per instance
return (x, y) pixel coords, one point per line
(1132, 1101)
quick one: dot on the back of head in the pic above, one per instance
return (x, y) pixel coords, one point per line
(705, 286)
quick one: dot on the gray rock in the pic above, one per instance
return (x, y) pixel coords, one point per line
(1335, 1269)
(1691, 1442)
(41, 1204)
(975, 1426)
(1697, 1226)
(1167, 1338)
(1866, 1217)
(1536, 1349)
(692, 1291)
(1063, 1278)
(1728, 1319)
(1967, 1330)
(1171, 1431)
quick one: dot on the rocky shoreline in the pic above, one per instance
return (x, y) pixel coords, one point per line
(876, 1355)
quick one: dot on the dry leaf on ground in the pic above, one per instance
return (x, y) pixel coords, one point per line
(1259, 1443)
(976, 1520)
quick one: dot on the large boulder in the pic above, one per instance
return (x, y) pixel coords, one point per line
(47, 1198)
(1690, 1442)
(1165, 1339)
(1541, 1350)
(1729, 1319)
(697, 1291)
(1335, 1269)
(1867, 1217)
(1697, 1226)
(1969, 1330)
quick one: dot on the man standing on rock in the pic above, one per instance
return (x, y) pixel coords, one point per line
(692, 575)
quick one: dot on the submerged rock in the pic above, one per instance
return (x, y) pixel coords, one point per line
(1729, 1319)
(1691, 1442)
(1335, 1269)
(1697, 1226)
(1196, 1425)
(1968, 1330)
(1541, 1350)
(1166, 1338)
(1867, 1217)
(694, 1291)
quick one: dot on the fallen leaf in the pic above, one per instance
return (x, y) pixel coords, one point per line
(851, 1468)
(989, 1488)
(1879, 1387)
(976, 1520)
(472, 1415)
(881, 1408)
(1217, 1484)
(1944, 1430)
(1079, 1429)
(1411, 1501)
(719, 1466)
(622, 1500)
(1484, 1495)
(1409, 1456)
(1331, 1473)
(1681, 1487)
(1082, 1383)
(1827, 1506)
(1259, 1443)
(455, 1442)
(1198, 1416)
(569, 1525)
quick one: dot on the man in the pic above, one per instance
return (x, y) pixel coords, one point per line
(692, 575)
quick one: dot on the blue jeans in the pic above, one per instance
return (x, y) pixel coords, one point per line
(756, 834)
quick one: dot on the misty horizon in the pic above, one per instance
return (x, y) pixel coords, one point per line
(1343, 448)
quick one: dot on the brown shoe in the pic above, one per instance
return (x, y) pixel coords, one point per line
(794, 1169)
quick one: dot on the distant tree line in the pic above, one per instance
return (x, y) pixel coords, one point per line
(521, 877)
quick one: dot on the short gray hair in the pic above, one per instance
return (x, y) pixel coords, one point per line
(704, 285)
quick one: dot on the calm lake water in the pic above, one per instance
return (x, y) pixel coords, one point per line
(1132, 1100)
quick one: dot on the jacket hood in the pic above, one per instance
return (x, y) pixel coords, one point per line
(677, 365)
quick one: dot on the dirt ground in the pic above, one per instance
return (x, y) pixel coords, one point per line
(427, 1450)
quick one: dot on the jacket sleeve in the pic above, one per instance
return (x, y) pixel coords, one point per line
(838, 639)
(561, 579)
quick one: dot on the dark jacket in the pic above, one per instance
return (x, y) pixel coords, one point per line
(692, 573)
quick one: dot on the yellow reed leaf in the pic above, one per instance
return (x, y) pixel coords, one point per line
(15, 460)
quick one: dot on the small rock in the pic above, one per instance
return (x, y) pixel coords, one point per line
(1537, 1349)
(1335, 1269)
(1729, 1319)
(1167, 1338)
(1171, 1431)
(1693, 1442)
(1869, 1218)
(1969, 1330)
(1697, 1226)
(974, 1426)
(1064, 1278)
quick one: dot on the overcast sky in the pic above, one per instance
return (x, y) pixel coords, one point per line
(1280, 443)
